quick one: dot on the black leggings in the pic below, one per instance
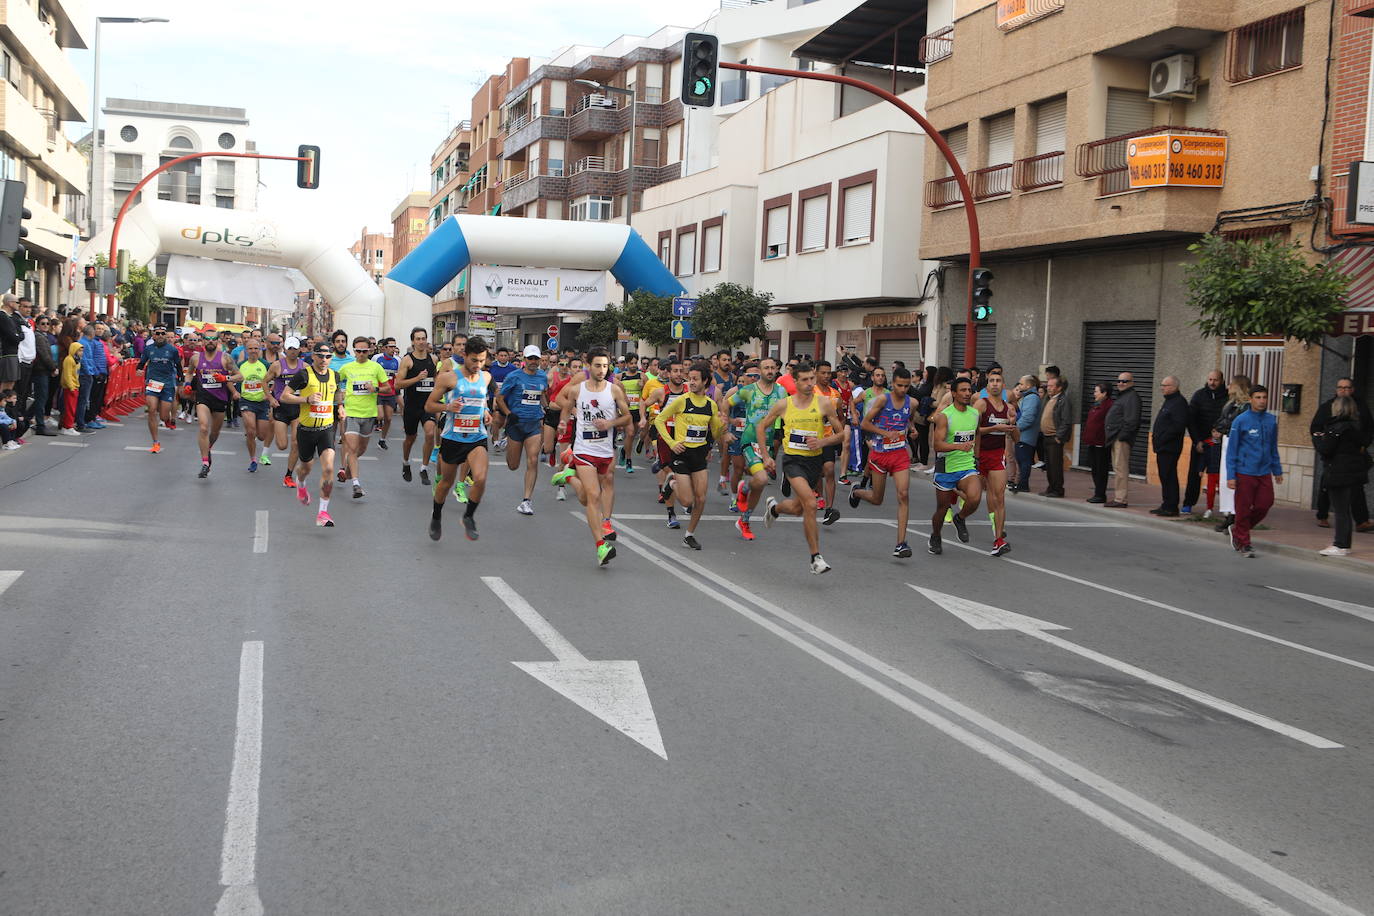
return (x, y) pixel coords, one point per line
(1342, 518)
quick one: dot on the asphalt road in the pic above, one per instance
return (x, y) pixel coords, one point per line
(208, 709)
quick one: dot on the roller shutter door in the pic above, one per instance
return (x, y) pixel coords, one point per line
(908, 351)
(1110, 347)
(986, 346)
(1128, 111)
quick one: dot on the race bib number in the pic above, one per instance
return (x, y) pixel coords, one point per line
(737, 422)
(891, 442)
(592, 432)
(797, 438)
(208, 382)
(155, 387)
(696, 435)
(360, 388)
(962, 436)
(633, 401)
(530, 398)
(253, 386)
(322, 411)
(425, 385)
(467, 423)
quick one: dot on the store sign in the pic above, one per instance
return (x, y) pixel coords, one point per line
(539, 288)
(481, 318)
(1007, 10)
(1353, 324)
(1176, 160)
(1359, 199)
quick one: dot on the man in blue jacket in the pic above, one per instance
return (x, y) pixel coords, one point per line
(90, 371)
(1253, 464)
(1028, 422)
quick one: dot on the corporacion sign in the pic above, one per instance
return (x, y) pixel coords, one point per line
(1176, 160)
(548, 288)
(1359, 198)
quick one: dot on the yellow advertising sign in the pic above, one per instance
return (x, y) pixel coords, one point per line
(1007, 10)
(1176, 160)
(419, 225)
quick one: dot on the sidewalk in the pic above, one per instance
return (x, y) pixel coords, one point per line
(1285, 530)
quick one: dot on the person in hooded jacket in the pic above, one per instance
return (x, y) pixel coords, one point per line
(1341, 443)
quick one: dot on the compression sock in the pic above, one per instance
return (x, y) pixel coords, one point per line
(438, 510)
(471, 509)
(324, 504)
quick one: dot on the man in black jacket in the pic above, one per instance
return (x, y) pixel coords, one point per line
(1169, 427)
(1359, 506)
(1203, 411)
(1123, 422)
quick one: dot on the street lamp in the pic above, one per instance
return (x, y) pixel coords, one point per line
(630, 196)
(95, 104)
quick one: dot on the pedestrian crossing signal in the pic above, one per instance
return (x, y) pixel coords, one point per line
(982, 294)
(700, 62)
(308, 168)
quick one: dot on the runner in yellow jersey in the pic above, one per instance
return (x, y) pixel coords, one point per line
(687, 427)
(804, 415)
(316, 389)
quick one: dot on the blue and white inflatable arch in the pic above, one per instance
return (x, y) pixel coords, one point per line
(461, 240)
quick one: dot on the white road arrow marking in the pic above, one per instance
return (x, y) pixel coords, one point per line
(612, 691)
(984, 617)
(8, 577)
(1345, 607)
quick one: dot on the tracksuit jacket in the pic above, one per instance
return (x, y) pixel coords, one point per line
(1254, 445)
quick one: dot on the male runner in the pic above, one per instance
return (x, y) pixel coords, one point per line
(687, 427)
(361, 381)
(462, 397)
(417, 371)
(954, 440)
(161, 365)
(340, 357)
(889, 419)
(386, 402)
(674, 388)
(803, 416)
(722, 380)
(559, 458)
(997, 418)
(498, 371)
(598, 408)
(210, 369)
(737, 415)
(758, 397)
(253, 407)
(522, 397)
(831, 454)
(285, 417)
(317, 388)
(631, 382)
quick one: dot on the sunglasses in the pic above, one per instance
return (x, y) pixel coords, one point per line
(361, 349)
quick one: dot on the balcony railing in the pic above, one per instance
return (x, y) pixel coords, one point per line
(938, 45)
(515, 124)
(993, 181)
(943, 192)
(597, 100)
(128, 176)
(1043, 171)
(1105, 159)
(516, 180)
(588, 164)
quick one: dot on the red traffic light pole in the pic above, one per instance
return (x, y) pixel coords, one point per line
(133, 195)
(974, 242)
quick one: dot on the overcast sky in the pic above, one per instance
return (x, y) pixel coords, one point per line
(375, 85)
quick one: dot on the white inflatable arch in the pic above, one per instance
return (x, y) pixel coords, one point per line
(163, 227)
(461, 240)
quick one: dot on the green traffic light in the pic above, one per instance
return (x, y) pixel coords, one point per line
(701, 86)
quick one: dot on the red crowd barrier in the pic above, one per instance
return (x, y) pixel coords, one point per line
(124, 394)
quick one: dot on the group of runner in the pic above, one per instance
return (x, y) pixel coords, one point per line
(587, 417)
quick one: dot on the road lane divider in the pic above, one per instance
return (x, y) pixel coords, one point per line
(239, 855)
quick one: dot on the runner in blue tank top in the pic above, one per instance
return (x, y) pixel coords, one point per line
(461, 398)
(888, 420)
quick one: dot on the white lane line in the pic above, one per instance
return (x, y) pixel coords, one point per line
(260, 532)
(875, 521)
(559, 647)
(8, 577)
(1345, 607)
(1180, 828)
(238, 862)
(985, 617)
(69, 444)
(1236, 628)
(144, 448)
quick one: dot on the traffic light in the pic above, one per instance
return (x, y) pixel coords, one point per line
(308, 169)
(982, 294)
(12, 216)
(92, 278)
(700, 61)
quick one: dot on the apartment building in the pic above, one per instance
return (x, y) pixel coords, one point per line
(1089, 269)
(409, 224)
(39, 93)
(373, 252)
(450, 185)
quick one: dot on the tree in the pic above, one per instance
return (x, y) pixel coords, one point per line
(649, 318)
(1263, 287)
(729, 314)
(599, 329)
(144, 296)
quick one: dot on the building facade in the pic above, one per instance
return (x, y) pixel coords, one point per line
(449, 187)
(39, 93)
(1089, 270)
(409, 224)
(373, 252)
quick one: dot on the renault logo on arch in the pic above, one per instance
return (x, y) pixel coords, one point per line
(494, 285)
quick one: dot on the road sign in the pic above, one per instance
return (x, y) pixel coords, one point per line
(682, 330)
(684, 307)
(553, 330)
(552, 343)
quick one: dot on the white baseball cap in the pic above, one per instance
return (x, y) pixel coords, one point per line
(532, 350)
(293, 343)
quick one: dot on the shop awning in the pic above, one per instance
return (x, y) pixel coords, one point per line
(866, 34)
(1358, 265)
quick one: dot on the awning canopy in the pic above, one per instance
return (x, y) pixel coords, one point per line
(865, 34)
(1358, 265)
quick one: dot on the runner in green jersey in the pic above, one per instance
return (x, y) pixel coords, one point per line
(955, 442)
(360, 382)
(758, 397)
(251, 377)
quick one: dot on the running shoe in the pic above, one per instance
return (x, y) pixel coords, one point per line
(818, 565)
(525, 508)
(689, 540)
(820, 503)
(629, 468)
(460, 491)
(381, 444)
(831, 517)
(342, 475)
(722, 486)
(854, 498)
(204, 470)
(607, 532)
(786, 488)
(936, 547)
(1000, 546)
(655, 467)
(287, 482)
(744, 530)
(302, 494)
(560, 494)
(961, 528)
(405, 473)
(667, 490)
(252, 467)
(1248, 552)
(562, 477)
(902, 550)
(470, 527)
(424, 474)
(605, 553)
(770, 512)
(672, 520)
(157, 447)
(436, 529)
(742, 497)
(358, 491)
(170, 424)
(323, 520)
(266, 460)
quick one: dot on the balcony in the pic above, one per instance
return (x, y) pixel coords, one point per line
(458, 128)
(991, 182)
(596, 118)
(1105, 159)
(1043, 171)
(545, 127)
(943, 192)
(529, 189)
(36, 47)
(21, 123)
(937, 46)
(67, 167)
(588, 164)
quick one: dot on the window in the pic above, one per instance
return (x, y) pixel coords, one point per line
(711, 233)
(1128, 110)
(777, 221)
(957, 138)
(1001, 138)
(379, 254)
(856, 209)
(1051, 126)
(555, 159)
(128, 133)
(180, 143)
(591, 207)
(224, 201)
(1268, 46)
(7, 62)
(815, 219)
(686, 252)
(665, 248)
(673, 153)
(194, 313)
(648, 148)
(226, 140)
(225, 316)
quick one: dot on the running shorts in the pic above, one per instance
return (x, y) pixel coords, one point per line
(753, 460)
(163, 391)
(453, 452)
(413, 422)
(260, 409)
(830, 454)
(807, 467)
(286, 413)
(689, 460)
(518, 429)
(890, 463)
(362, 426)
(386, 400)
(950, 482)
(215, 404)
(551, 416)
(314, 440)
(992, 460)
(602, 463)
(665, 454)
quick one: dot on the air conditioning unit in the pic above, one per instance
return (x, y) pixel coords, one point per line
(1173, 77)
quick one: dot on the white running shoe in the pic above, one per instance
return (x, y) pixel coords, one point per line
(818, 565)
(561, 494)
(525, 508)
(1334, 551)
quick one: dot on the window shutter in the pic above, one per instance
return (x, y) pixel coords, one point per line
(665, 246)
(1128, 111)
(813, 214)
(1051, 126)
(958, 144)
(686, 254)
(710, 240)
(1001, 139)
(778, 218)
(858, 213)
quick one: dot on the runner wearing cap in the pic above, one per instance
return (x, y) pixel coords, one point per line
(523, 398)
(315, 387)
(161, 365)
(285, 417)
